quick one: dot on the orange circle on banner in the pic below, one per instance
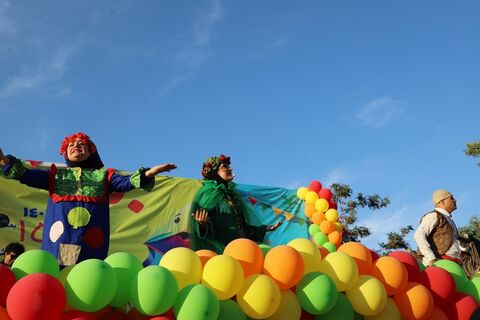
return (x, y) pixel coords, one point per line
(284, 265)
(335, 237)
(248, 253)
(415, 302)
(205, 255)
(327, 227)
(360, 254)
(391, 273)
(309, 209)
(318, 217)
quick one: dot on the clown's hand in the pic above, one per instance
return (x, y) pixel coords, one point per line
(160, 168)
(3, 160)
(201, 215)
(275, 226)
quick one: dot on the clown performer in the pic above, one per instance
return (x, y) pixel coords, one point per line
(217, 212)
(77, 221)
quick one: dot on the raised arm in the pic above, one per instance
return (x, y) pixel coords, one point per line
(160, 168)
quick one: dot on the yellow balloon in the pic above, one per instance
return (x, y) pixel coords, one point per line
(301, 192)
(289, 307)
(309, 252)
(184, 264)
(321, 205)
(311, 197)
(259, 296)
(341, 268)
(338, 226)
(390, 312)
(331, 215)
(367, 296)
(224, 275)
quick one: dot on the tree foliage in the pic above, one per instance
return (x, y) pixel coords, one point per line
(396, 240)
(472, 228)
(473, 149)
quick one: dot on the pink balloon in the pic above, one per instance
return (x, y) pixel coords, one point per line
(7, 281)
(36, 296)
(410, 263)
(441, 284)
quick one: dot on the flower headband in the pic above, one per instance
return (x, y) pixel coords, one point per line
(211, 165)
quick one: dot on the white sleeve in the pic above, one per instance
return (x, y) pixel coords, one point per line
(423, 230)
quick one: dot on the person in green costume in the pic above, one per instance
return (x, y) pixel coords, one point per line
(218, 217)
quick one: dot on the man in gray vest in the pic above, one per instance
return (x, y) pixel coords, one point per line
(437, 235)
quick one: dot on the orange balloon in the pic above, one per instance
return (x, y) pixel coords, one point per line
(391, 273)
(335, 237)
(205, 255)
(415, 302)
(318, 217)
(248, 253)
(360, 254)
(309, 209)
(326, 227)
(437, 314)
(284, 265)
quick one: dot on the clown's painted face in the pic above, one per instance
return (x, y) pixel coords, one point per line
(77, 150)
(225, 172)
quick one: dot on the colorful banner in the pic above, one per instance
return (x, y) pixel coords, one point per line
(148, 224)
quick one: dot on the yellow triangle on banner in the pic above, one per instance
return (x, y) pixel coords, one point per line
(288, 215)
(277, 211)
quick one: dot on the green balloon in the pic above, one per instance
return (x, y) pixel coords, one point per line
(330, 246)
(154, 290)
(265, 248)
(456, 271)
(196, 302)
(35, 261)
(313, 229)
(320, 238)
(230, 310)
(476, 284)
(316, 293)
(342, 310)
(126, 266)
(471, 289)
(90, 285)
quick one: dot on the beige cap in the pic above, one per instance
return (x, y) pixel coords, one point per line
(439, 195)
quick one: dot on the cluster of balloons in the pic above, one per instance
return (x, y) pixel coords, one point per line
(321, 209)
(247, 281)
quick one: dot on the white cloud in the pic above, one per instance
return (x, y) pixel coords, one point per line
(44, 74)
(379, 112)
(196, 53)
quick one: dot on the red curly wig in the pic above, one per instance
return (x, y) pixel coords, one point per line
(79, 135)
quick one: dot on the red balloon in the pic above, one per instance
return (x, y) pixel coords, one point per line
(410, 263)
(114, 315)
(79, 315)
(325, 194)
(7, 282)
(36, 296)
(441, 284)
(315, 185)
(374, 255)
(306, 316)
(332, 204)
(3, 314)
(461, 307)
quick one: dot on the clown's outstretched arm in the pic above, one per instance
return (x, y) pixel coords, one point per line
(3, 159)
(152, 172)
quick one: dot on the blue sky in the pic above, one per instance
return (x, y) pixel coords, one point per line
(379, 95)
